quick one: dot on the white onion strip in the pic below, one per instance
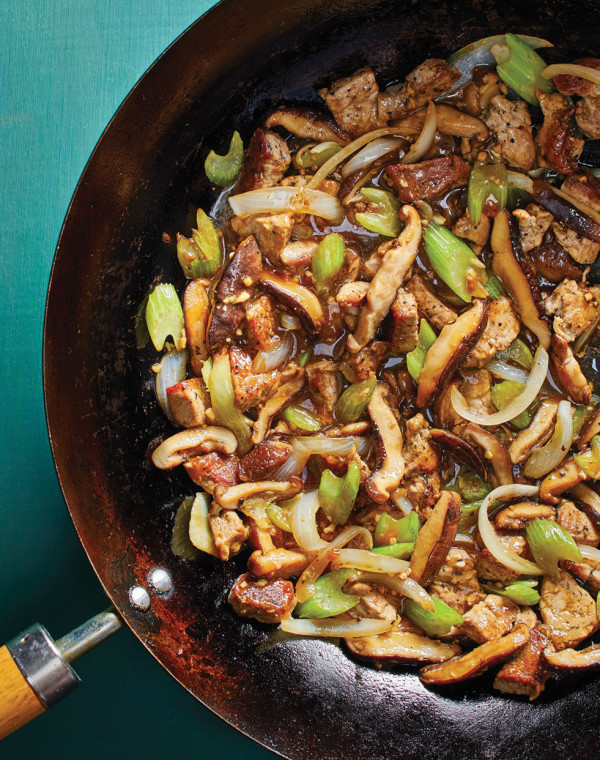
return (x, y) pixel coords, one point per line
(425, 140)
(278, 352)
(348, 150)
(488, 535)
(375, 563)
(349, 629)
(406, 587)
(304, 524)
(172, 371)
(506, 371)
(517, 405)
(589, 552)
(401, 502)
(304, 446)
(370, 153)
(541, 461)
(573, 70)
(277, 200)
(317, 566)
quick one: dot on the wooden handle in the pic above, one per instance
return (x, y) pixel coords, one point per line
(18, 702)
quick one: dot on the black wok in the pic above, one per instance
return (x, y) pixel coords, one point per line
(303, 699)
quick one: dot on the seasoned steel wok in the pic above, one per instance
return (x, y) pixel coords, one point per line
(303, 699)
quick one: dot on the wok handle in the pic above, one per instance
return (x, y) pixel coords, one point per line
(35, 672)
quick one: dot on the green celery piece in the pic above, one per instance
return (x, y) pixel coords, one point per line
(301, 418)
(220, 388)
(402, 531)
(468, 515)
(164, 315)
(314, 156)
(280, 516)
(400, 551)
(519, 592)
(471, 486)
(451, 257)
(517, 352)
(494, 286)
(328, 599)
(549, 543)
(354, 400)
(206, 370)
(522, 70)
(200, 255)
(589, 460)
(415, 359)
(305, 356)
(485, 181)
(385, 220)
(435, 622)
(328, 260)
(337, 495)
(223, 170)
(503, 393)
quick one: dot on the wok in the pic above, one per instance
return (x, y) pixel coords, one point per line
(303, 699)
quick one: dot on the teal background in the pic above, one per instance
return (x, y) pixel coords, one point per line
(65, 66)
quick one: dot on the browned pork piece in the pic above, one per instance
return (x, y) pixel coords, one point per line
(266, 161)
(364, 364)
(262, 460)
(400, 646)
(476, 386)
(212, 470)
(428, 179)
(588, 572)
(527, 672)
(512, 268)
(304, 122)
(502, 328)
(536, 434)
(428, 81)
(574, 307)
(188, 401)
(478, 233)
(389, 469)
(383, 288)
(587, 112)
(445, 355)
(568, 611)
(429, 306)
(278, 563)
(510, 123)
(578, 524)
(489, 619)
(557, 145)
(477, 661)
(490, 569)
(272, 232)
(324, 385)
(435, 538)
(569, 372)
(404, 323)
(578, 247)
(229, 533)
(534, 222)
(423, 463)
(261, 322)
(269, 601)
(250, 389)
(353, 102)
(456, 582)
(372, 604)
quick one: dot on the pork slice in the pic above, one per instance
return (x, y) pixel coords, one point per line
(250, 389)
(428, 81)
(568, 611)
(587, 115)
(365, 363)
(456, 583)
(510, 123)
(568, 371)
(261, 323)
(429, 306)
(372, 604)
(269, 601)
(490, 569)
(477, 233)
(557, 146)
(272, 232)
(404, 323)
(353, 102)
(578, 524)
(229, 533)
(428, 179)
(489, 619)
(580, 249)
(574, 307)
(266, 161)
(212, 470)
(324, 385)
(423, 462)
(188, 401)
(534, 222)
(502, 328)
(262, 460)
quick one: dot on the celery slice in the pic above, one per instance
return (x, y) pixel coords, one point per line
(301, 418)
(328, 259)
(220, 388)
(401, 531)
(520, 68)
(354, 400)
(223, 170)
(453, 260)
(337, 495)
(435, 622)
(505, 392)
(164, 315)
(519, 592)
(589, 460)
(400, 551)
(415, 359)
(549, 543)
(468, 516)
(384, 220)
(488, 183)
(200, 255)
(517, 352)
(328, 599)
(471, 486)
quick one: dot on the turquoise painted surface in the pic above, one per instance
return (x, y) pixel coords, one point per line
(65, 66)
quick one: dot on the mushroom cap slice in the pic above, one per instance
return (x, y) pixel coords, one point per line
(192, 442)
(435, 538)
(573, 659)
(390, 461)
(402, 647)
(302, 301)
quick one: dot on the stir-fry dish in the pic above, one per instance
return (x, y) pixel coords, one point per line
(375, 367)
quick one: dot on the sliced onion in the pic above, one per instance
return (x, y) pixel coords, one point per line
(304, 523)
(488, 535)
(172, 371)
(402, 503)
(517, 405)
(376, 563)
(546, 458)
(277, 200)
(370, 153)
(407, 587)
(324, 557)
(348, 150)
(425, 140)
(520, 181)
(289, 322)
(589, 552)
(507, 371)
(349, 629)
(303, 446)
(571, 70)
(280, 350)
(462, 538)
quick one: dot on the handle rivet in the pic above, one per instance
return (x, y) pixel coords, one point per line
(139, 597)
(160, 579)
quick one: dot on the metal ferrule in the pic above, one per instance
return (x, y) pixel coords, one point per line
(39, 660)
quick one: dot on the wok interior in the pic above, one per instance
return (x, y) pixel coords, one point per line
(301, 698)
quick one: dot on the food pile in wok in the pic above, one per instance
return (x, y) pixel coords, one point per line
(375, 367)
